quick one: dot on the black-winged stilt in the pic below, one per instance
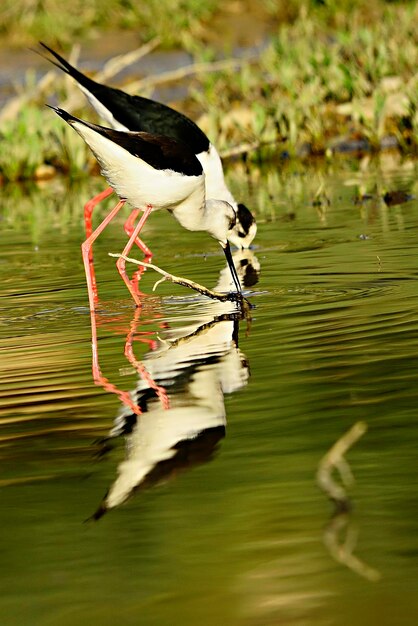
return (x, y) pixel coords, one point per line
(135, 113)
(153, 172)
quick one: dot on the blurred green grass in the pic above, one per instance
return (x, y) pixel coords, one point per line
(332, 77)
(25, 21)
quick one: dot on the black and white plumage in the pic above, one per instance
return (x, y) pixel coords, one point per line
(135, 113)
(153, 172)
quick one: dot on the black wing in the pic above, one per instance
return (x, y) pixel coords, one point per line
(162, 153)
(137, 113)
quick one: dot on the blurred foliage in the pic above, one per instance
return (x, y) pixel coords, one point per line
(23, 21)
(38, 144)
(332, 77)
(316, 88)
(175, 21)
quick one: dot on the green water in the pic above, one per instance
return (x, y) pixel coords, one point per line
(241, 540)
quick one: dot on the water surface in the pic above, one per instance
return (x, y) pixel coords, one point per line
(235, 533)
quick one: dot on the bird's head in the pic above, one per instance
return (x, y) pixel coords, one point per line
(221, 219)
(245, 228)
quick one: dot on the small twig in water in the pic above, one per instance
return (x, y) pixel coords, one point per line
(185, 282)
(340, 546)
(334, 458)
(341, 549)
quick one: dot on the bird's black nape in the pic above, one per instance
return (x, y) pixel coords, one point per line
(230, 261)
(245, 218)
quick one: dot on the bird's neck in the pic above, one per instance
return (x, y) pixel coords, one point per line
(214, 176)
(192, 213)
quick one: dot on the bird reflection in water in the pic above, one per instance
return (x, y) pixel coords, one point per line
(176, 415)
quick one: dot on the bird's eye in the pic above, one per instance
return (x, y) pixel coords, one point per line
(232, 221)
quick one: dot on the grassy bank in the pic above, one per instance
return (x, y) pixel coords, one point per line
(319, 88)
(24, 21)
(330, 79)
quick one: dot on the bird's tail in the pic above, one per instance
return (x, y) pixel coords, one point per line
(66, 67)
(64, 114)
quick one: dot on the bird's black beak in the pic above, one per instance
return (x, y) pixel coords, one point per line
(226, 248)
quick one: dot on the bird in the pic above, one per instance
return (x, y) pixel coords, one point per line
(153, 172)
(136, 113)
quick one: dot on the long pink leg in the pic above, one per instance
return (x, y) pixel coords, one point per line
(140, 366)
(101, 380)
(86, 251)
(120, 263)
(89, 207)
(88, 224)
(129, 227)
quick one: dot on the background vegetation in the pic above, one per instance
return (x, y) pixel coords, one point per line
(328, 76)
